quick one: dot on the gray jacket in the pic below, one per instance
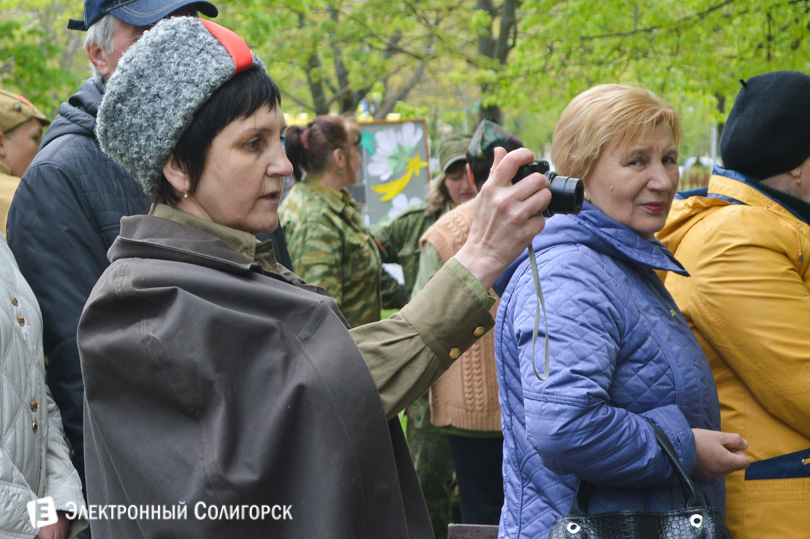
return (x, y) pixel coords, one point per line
(34, 459)
(213, 384)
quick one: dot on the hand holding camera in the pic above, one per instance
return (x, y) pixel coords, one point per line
(567, 194)
(506, 219)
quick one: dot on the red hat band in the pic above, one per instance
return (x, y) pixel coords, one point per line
(235, 45)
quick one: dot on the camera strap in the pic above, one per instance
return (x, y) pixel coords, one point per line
(536, 329)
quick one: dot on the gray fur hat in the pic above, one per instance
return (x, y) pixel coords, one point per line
(158, 86)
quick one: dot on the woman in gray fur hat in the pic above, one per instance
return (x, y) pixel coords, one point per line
(224, 396)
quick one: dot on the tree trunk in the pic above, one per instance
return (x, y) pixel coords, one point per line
(496, 48)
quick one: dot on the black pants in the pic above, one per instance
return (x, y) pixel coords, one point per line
(479, 474)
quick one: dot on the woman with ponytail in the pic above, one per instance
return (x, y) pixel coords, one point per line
(328, 240)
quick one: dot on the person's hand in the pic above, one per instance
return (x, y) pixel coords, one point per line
(507, 217)
(57, 530)
(718, 453)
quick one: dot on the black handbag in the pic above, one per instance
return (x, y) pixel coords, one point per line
(697, 520)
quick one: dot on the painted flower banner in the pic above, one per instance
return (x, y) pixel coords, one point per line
(396, 166)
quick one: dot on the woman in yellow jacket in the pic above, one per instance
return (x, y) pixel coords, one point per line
(745, 240)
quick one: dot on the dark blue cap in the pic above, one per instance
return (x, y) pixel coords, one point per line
(137, 12)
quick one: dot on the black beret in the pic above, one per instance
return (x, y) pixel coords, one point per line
(768, 129)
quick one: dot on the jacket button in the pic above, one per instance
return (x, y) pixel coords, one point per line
(34, 426)
(34, 406)
(21, 319)
(479, 331)
(14, 301)
(454, 353)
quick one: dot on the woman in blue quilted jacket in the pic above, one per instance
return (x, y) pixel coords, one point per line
(622, 355)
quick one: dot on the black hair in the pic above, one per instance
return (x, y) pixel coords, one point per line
(239, 97)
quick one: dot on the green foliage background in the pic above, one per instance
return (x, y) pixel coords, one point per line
(426, 58)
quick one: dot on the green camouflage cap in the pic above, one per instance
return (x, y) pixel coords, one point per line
(488, 136)
(16, 110)
(452, 150)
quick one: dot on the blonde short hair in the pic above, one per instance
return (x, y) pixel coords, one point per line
(598, 116)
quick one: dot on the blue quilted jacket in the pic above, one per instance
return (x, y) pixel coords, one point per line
(621, 356)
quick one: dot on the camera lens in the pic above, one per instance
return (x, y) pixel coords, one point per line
(567, 194)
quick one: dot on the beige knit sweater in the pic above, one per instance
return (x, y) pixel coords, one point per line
(466, 396)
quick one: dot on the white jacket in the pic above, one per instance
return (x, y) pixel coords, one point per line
(34, 460)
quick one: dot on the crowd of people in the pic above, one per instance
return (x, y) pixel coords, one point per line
(175, 333)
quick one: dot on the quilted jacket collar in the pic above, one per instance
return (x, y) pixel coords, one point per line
(78, 115)
(599, 232)
(736, 188)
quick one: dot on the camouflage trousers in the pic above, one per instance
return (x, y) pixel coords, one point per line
(430, 451)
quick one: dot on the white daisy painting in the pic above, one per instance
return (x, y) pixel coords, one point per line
(396, 160)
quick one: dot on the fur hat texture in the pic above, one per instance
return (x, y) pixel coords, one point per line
(768, 129)
(158, 86)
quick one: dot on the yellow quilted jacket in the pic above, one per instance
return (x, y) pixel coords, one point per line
(748, 302)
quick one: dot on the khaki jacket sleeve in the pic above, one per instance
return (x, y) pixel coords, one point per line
(386, 234)
(750, 299)
(409, 351)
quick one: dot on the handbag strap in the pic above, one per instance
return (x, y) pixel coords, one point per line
(693, 499)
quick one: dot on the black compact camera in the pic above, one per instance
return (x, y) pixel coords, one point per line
(567, 193)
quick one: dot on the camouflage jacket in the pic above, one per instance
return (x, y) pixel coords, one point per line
(331, 247)
(400, 239)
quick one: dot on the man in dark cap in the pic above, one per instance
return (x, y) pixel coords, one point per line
(66, 212)
(745, 241)
(20, 134)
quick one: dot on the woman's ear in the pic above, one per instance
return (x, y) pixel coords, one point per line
(339, 156)
(176, 175)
